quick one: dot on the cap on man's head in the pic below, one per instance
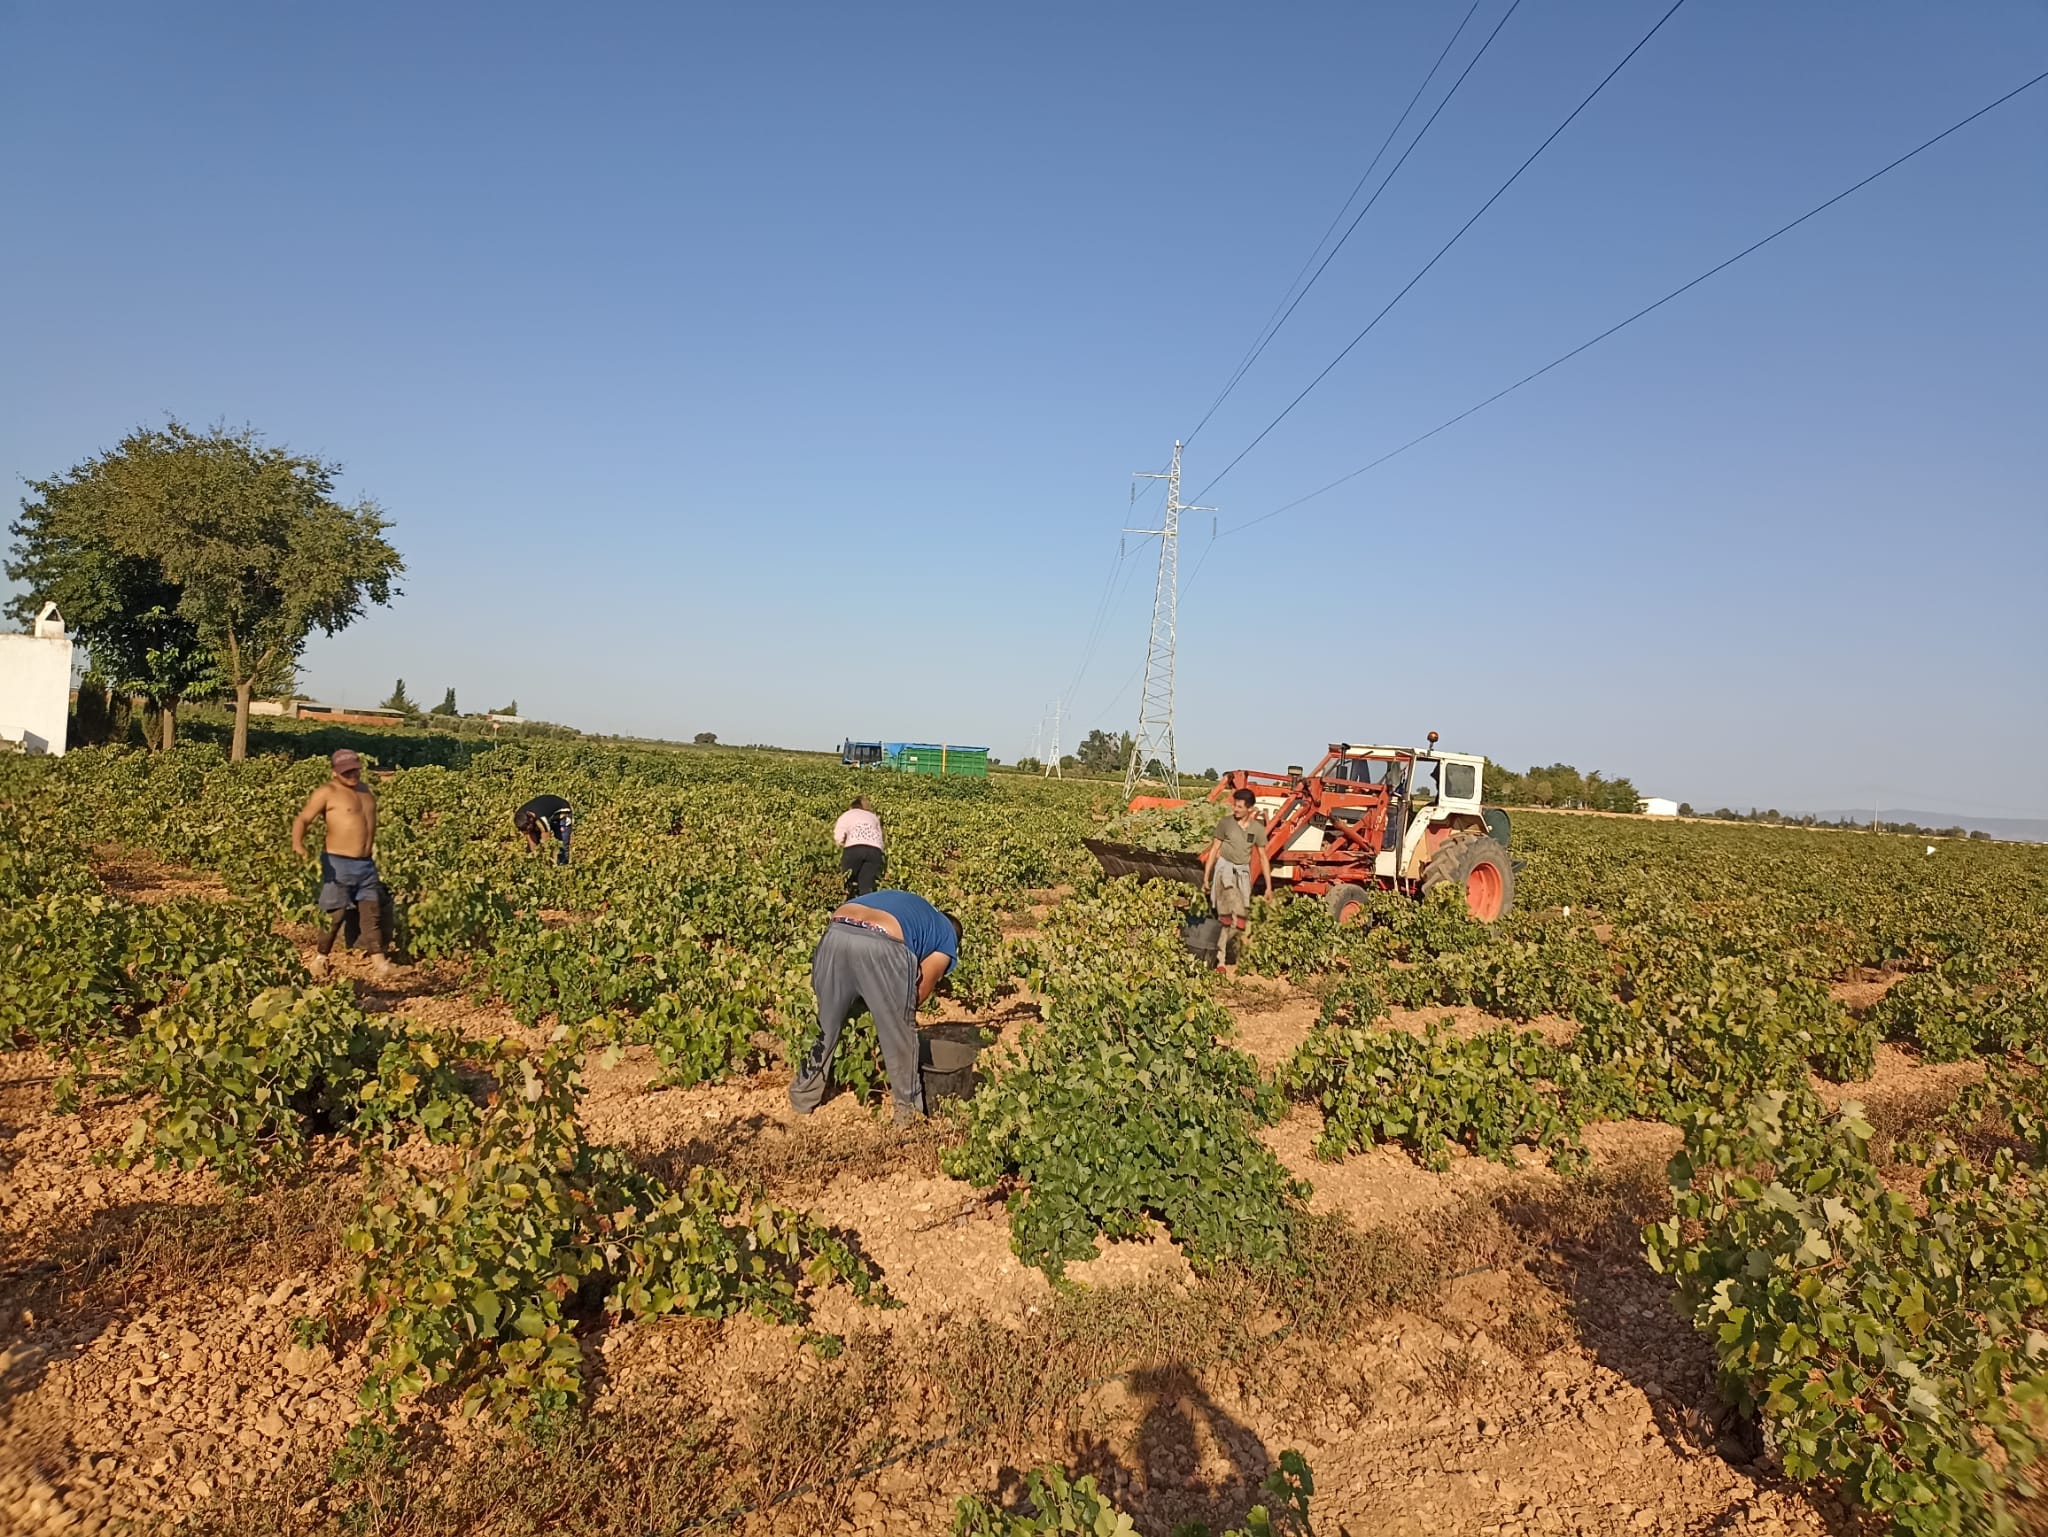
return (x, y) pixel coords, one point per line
(346, 758)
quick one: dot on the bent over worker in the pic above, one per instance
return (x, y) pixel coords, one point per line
(889, 951)
(858, 832)
(548, 813)
(348, 865)
(1235, 856)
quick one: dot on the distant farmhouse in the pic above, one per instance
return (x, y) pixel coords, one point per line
(35, 685)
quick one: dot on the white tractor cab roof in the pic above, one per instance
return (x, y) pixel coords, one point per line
(1452, 778)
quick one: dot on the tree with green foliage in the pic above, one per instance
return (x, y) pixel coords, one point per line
(120, 606)
(706, 739)
(510, 709)
(1604, 794)
(446, 706)
(1101, 753)
(400, 701)
(1559, 785)
(92, 714)
(241, 543)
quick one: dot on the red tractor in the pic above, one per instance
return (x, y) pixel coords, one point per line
(1393, 818)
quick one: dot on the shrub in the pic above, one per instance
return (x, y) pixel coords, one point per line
(1880, 1344)
(1486, 1093)
(481, 1275)
(246, 1085)
(1113, 1122)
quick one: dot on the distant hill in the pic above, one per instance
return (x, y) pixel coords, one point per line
(2011, 829)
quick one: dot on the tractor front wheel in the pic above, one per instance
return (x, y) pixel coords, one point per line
(1347, 903)
(1479, 865)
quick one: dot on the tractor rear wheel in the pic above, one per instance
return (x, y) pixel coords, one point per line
(1479, 865)
(1346, 903)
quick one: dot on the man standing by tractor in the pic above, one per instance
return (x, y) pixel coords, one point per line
(889, 951)
(1234, 857)
(549, 813)
(348, 867)
(858, 832)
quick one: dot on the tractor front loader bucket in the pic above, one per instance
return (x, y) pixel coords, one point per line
(1147, 864)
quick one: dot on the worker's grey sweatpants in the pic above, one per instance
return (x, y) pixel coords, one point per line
(852, 966)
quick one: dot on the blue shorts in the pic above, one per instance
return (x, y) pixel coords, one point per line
(345, 882)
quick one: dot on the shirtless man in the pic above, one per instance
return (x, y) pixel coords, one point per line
(348, 868)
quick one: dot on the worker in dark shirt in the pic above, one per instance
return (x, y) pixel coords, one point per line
(888, 950)
(550, 813)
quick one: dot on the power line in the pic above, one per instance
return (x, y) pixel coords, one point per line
(1110, 704)
(1277, 319)
(1445, 248)
(1204, 560)
(1095, 627)
(1718, 267)
(1130, 580)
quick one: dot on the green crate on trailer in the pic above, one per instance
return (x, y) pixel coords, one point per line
(940, 758)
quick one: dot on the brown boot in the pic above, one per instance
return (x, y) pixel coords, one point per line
(371, 915)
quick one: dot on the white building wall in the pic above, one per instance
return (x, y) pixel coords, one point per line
(35, 685)
(1657, 806)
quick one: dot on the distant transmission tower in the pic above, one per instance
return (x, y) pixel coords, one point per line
(1154, 736)
(1052, 767)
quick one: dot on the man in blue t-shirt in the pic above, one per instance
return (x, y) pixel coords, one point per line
(889, 951)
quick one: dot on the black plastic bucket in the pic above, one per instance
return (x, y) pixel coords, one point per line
(945, 1062)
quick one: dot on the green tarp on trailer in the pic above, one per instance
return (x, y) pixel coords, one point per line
(939, 758)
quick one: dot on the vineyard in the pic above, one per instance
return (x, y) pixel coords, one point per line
(1702, 1192)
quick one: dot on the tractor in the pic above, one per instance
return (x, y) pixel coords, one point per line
(1393, 818)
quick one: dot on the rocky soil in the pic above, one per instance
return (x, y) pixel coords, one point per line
(165, 1347)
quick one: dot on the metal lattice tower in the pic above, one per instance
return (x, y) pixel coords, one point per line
(1154, 736)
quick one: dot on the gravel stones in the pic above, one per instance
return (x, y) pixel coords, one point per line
(155, 1404)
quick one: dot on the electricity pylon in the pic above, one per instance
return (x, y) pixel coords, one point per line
(1154, 736)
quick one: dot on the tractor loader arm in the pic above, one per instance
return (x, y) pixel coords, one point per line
(1147, 864)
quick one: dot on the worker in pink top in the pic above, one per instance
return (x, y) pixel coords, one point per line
(858, 832)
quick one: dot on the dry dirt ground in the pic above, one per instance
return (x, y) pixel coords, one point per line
(165, 1348)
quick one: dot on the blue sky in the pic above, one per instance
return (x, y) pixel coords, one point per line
(779, 371)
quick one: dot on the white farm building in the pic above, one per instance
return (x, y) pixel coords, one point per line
(35, 685)
(1658, 806)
